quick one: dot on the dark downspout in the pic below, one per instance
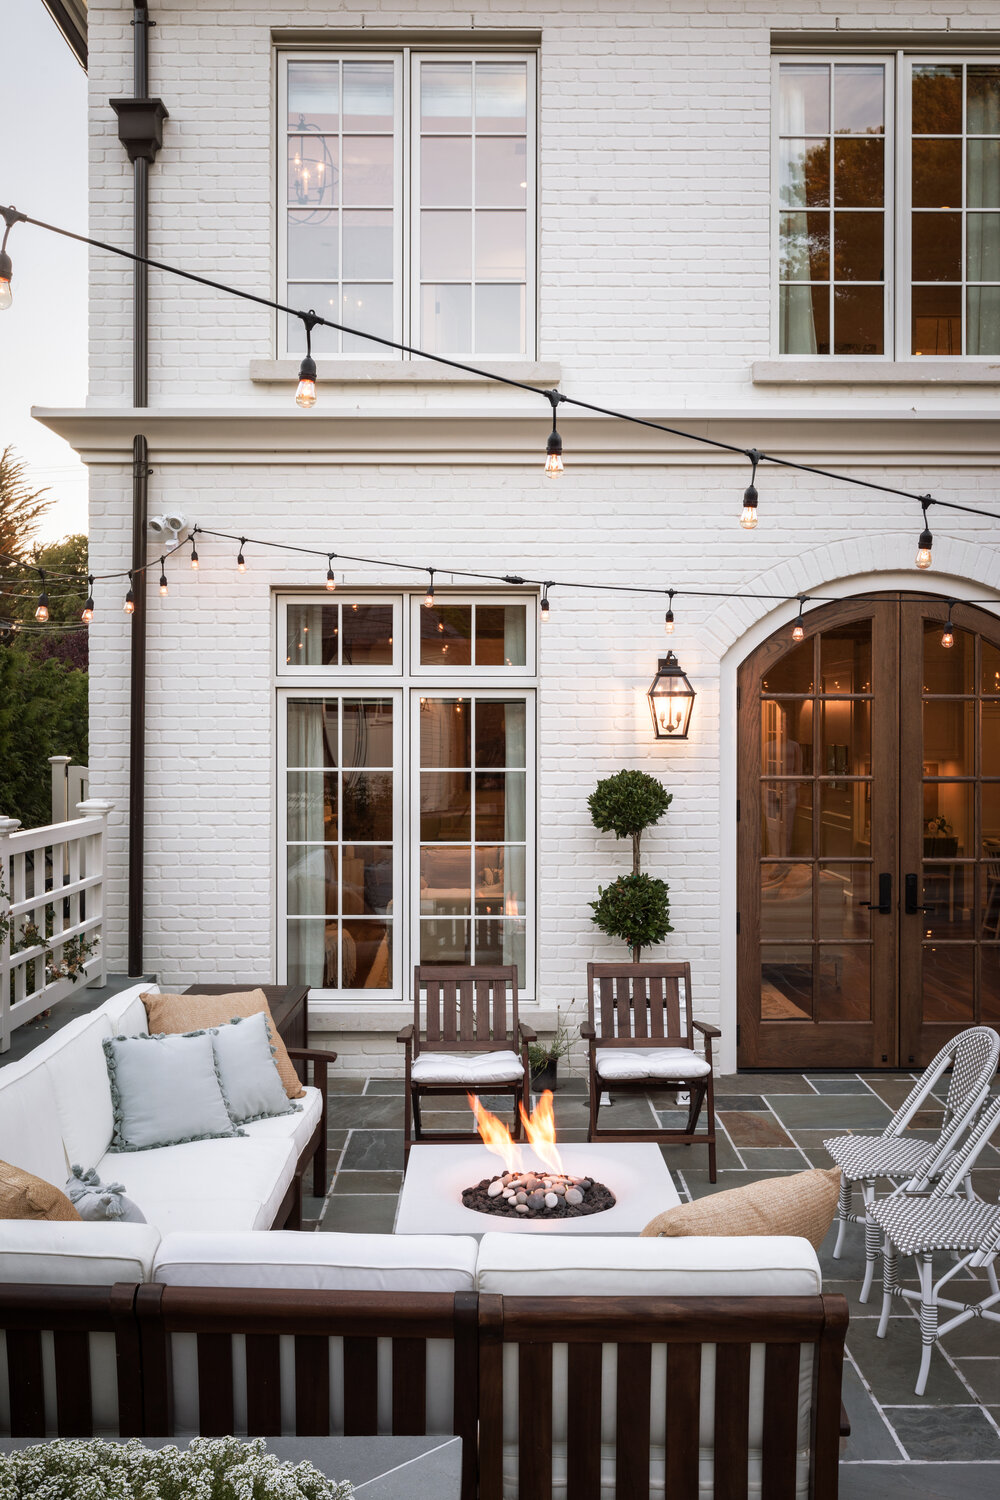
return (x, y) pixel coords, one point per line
(140, 130)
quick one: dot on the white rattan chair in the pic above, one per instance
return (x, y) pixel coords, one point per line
(943, 1221)
(972, 1056)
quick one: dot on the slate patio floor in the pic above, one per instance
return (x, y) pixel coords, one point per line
(942, 1446)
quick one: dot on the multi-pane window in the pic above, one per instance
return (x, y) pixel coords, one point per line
(888, 206)
(406, 799)
(407, 191)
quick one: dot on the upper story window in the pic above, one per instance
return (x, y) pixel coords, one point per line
(888, 206)
(407, 186)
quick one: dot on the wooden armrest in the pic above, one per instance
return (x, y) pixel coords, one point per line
(587, 1031)
(845, 1421)
(312, 1054)
(706, 1028)
(406, 1035)
(528, 1034)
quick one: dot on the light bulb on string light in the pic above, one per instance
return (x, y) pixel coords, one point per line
(241, 562)
(429, 596)
(544, 607)
(194, 555)
(42, 607)
(948, 634)
(305, 391)
(163, 581)
(668, 618)
(129, 605)
(331, 582)
(554, 445)
(748, 516)
(799, 628)
(88, 609)
(926, 541)
(10, 218)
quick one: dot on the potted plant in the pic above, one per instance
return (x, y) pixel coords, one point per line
(636, 907)
(939, 840)
(543, 1056)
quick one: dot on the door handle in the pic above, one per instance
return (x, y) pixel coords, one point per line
(884, 903)
(910, 897)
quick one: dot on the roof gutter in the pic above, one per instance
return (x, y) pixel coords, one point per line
(71, 18)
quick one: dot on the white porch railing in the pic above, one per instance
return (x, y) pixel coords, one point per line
(51, 913)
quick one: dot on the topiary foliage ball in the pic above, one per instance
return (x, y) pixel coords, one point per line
(635, 908)
(628, 802)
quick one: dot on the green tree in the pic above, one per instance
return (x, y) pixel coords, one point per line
(636, 907)
(43, 712)
(21, 507)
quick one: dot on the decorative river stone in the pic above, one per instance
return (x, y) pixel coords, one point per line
(526, 1195)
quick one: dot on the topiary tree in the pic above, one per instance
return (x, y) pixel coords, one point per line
(636, 907)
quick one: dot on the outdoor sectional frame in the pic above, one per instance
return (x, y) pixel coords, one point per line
(238, 1333)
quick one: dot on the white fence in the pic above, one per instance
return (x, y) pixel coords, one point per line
(70, 787)
(51, 913)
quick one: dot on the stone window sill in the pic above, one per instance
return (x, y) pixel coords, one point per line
(406, 372)
(791, 371)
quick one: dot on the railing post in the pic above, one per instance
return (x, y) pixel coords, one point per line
(7, 827)
(95, 859)
(60, 787)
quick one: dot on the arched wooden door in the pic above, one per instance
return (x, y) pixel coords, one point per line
(869, 836)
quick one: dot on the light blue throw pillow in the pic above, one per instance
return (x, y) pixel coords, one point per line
(101, 1202)
(165, 1091)
(247, 1070)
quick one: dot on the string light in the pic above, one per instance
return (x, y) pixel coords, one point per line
(331, 582)
(129, 605)
(748, 518)
(42, 607)
(10, 217)
(194, 555)
(544, 607)
(948, 637)
(241, 562)
(926, 541)
(429, 596)
(305, 391)
(88, 608)
(799, 628)
(668, 618)
(554, 446)
(163, 580)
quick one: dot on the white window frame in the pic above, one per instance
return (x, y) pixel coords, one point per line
(831, 59)
(404, 684)
(406, 192)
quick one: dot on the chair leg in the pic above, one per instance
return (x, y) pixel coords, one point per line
(928, 1319)
(518, 1101)
(991, 1274)
(890, 1281)
(843, 1213)
(873, 1241)
(710, 1114)
(595, 1104)
(407, 1115)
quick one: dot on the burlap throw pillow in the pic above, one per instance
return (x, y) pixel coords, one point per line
(803, 1204)
(177, 1013)
(24, 1196)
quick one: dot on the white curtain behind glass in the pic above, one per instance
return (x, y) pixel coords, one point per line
(983, 230)
(309, 725)
(799, 324)
(514, 831)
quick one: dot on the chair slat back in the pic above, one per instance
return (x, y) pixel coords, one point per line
(465, 1008)
(973, 1057)
(640, 1004)
(964, 1160)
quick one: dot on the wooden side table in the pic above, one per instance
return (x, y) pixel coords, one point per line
(289, 1005)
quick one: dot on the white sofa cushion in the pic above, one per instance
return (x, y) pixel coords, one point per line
(626, 1064)
(320, 1262)
(30, 1135)
(471, 1069)
(48, 1254)
(612, 1265)
(298, 1126)
(214, 1184)
(126, 1011)
(74, 1060)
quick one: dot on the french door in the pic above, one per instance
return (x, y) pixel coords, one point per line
(869, 835)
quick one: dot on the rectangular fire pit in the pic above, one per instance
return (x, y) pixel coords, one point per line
(436, 1176)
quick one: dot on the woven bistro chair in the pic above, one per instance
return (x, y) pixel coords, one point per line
(470, 1040)
(972, 1056)
(941, 1222)
(640, 1033)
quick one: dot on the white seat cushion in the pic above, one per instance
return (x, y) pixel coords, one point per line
(471, 1069)
(632, 1063)
(225, 1184)
(53, 1254)
(320, 1262)
(30, 1135)
(297, 1126)
(126, 1011)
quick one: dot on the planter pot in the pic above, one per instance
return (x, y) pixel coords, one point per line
(545, 1078)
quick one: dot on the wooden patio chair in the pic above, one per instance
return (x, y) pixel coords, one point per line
(470, 1041)
(641, 1034)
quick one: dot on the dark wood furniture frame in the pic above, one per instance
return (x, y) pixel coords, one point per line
(144, 1319)
(289, 1005)
(466, 1010)
(645, 1001)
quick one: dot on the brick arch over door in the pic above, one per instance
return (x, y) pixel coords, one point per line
(869, 835)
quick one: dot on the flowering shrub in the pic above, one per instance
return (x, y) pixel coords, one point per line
(210, 1469)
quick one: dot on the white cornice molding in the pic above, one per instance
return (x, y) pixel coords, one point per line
(907, 438)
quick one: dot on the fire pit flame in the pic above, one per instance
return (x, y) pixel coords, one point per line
(496, 1137)
(531, 1193)
(539, 1127)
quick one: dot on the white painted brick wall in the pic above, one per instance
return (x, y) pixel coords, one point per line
(654, 292)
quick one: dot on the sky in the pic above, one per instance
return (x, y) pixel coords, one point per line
(43, 171)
